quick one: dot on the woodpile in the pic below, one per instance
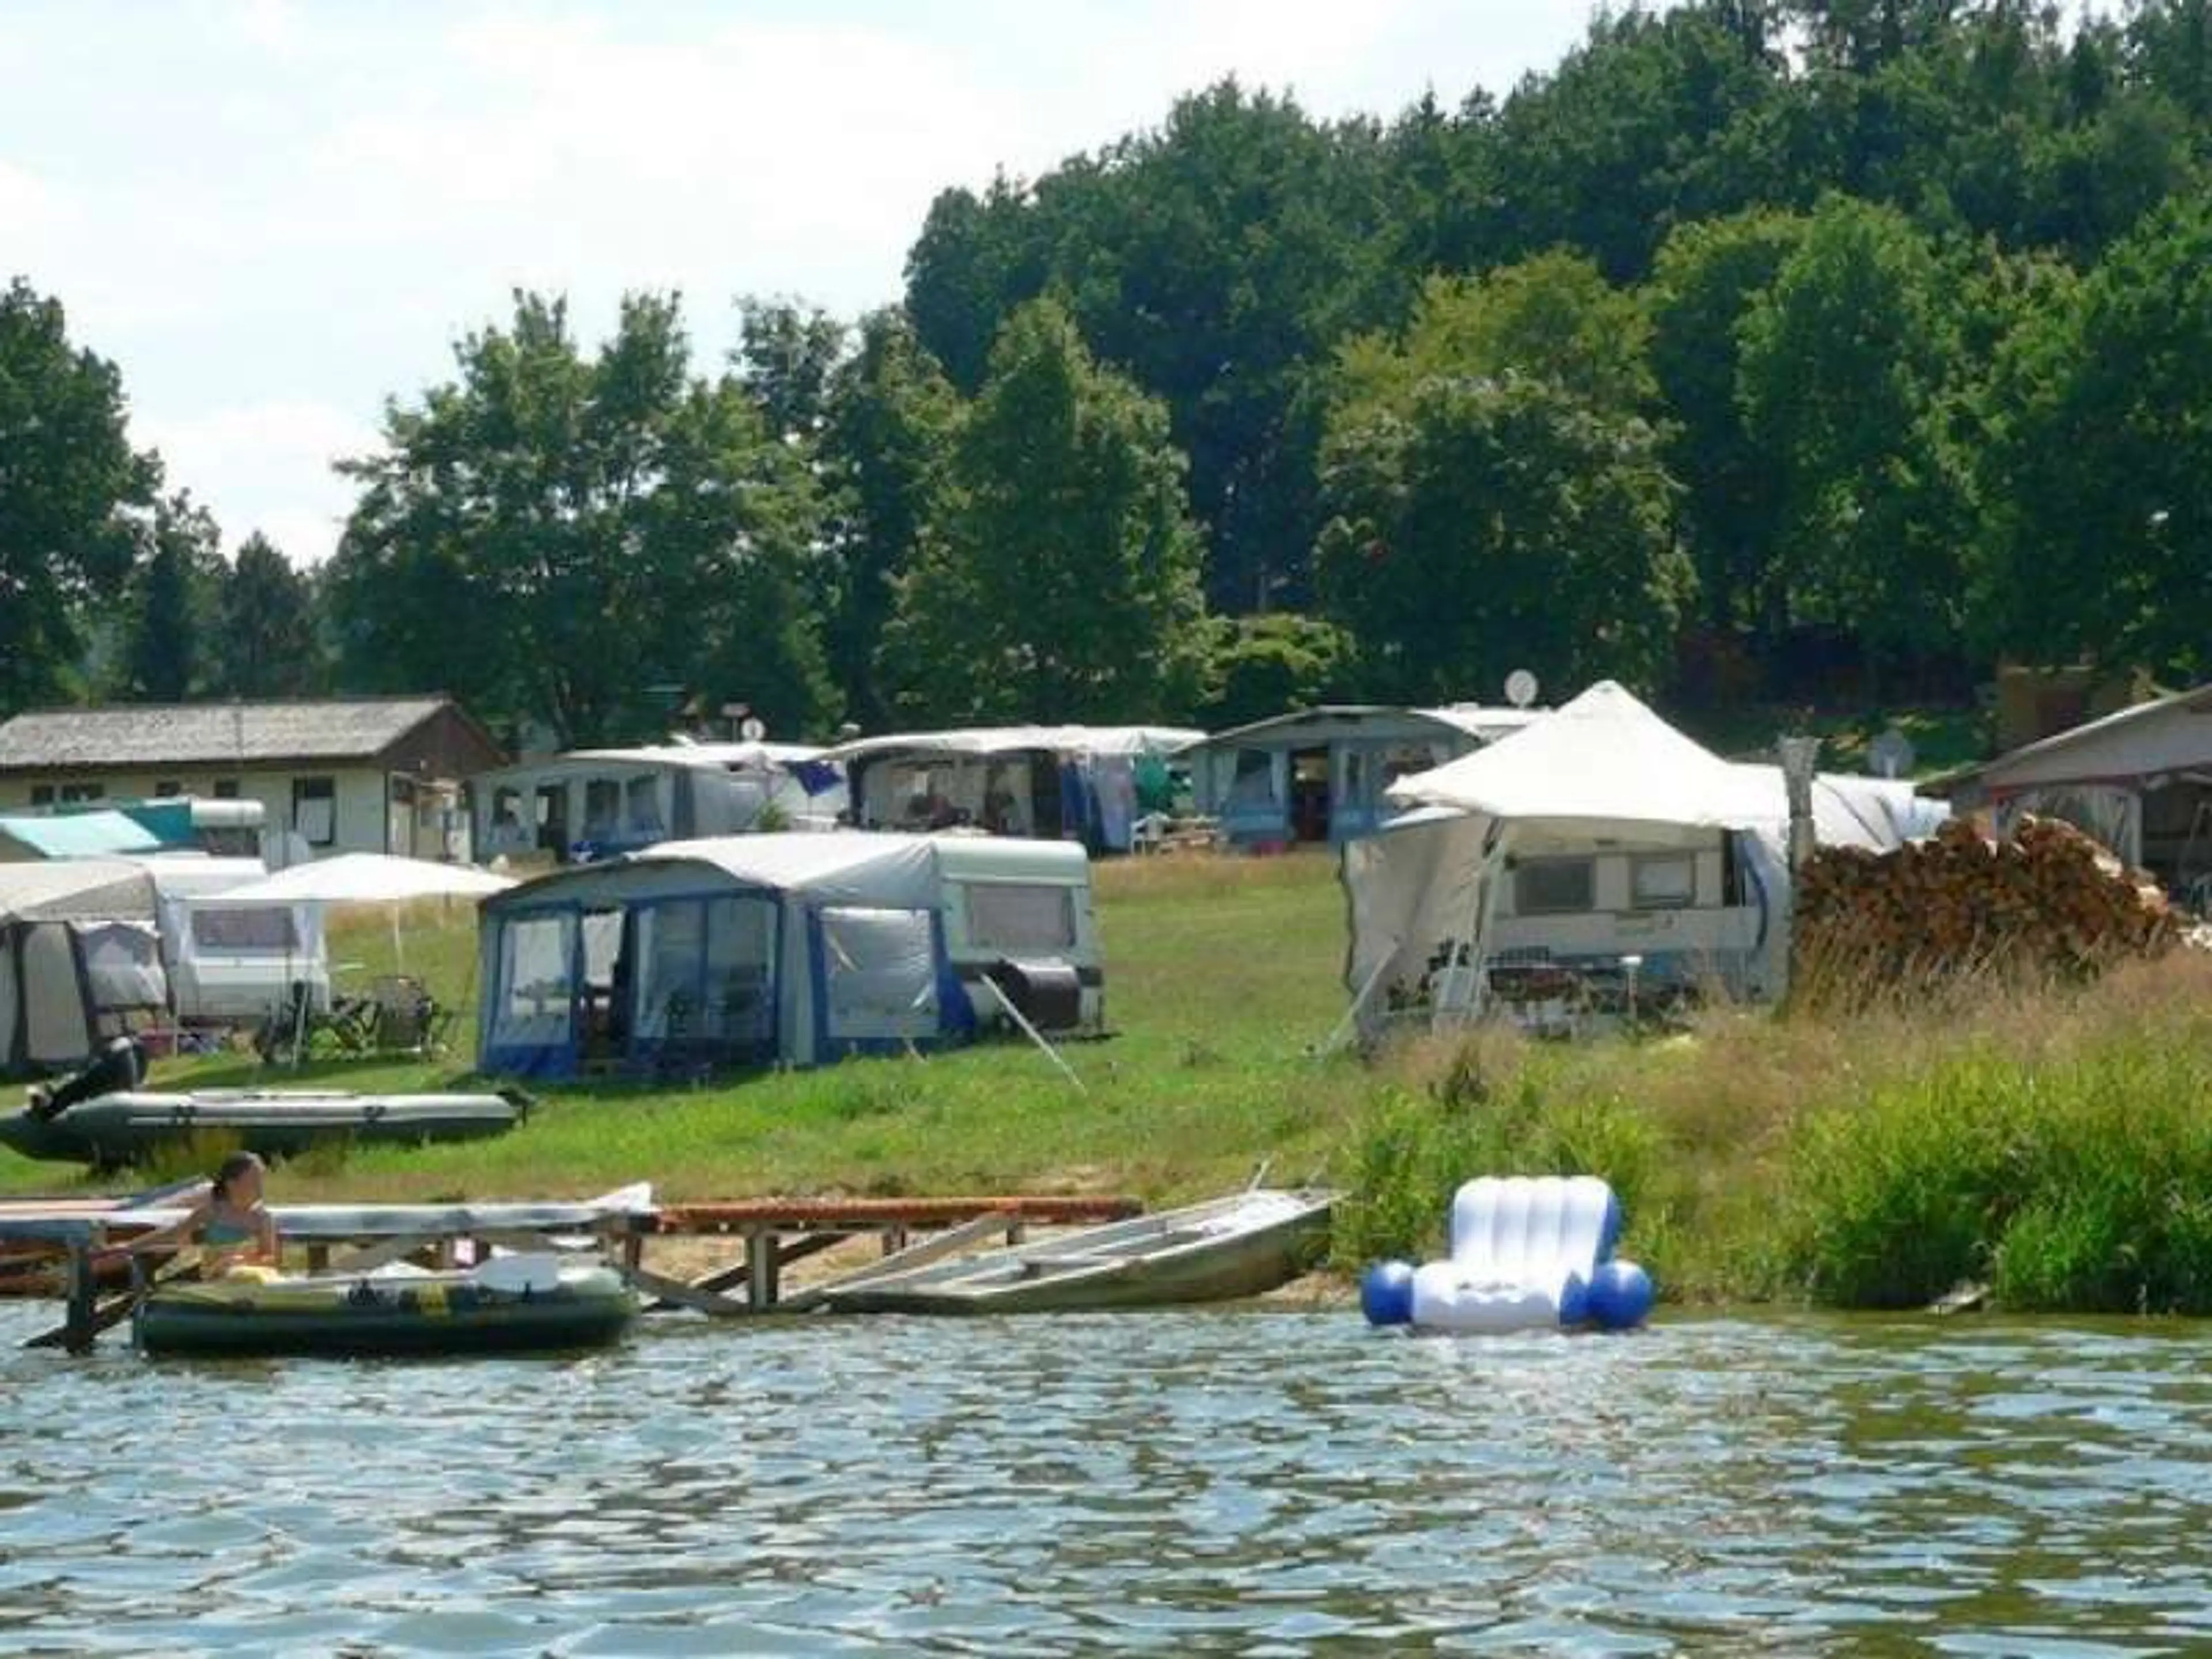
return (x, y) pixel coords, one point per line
(2048, 900)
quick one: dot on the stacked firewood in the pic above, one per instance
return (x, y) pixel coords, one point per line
(2046, 900)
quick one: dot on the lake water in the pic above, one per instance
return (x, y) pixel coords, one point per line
(1255, 1482)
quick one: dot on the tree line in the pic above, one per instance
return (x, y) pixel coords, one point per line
(1755, 351)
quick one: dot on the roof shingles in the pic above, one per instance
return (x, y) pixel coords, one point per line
(211, 733)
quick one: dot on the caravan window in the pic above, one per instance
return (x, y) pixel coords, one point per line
(1555, 886)
(644, 814)
(258, 930)
(1667, 881)
(1020, 918)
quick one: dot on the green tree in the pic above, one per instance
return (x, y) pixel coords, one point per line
(563, 537)
(68, 480)
(1553, 317)
(1265, 666)
(173, 596)
(1058, 576)
(888, 430)
(267, 642)
(2098, 472)
(1849, 378)
(1705, 283)
(787, 353)
(1483, 522)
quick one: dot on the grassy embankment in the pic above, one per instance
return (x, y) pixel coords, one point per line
(2056, 1142)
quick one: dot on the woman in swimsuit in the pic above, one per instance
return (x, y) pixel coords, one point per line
(232, 1226)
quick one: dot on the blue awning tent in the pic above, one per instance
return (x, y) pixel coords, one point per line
(740, 950)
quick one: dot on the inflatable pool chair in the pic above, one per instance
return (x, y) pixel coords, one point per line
(1527, 1253)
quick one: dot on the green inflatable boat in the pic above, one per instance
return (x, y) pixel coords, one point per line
(512, 1304)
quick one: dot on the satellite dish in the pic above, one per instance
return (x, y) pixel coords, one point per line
(1891, 754)
(1520, 687)
(754, 729)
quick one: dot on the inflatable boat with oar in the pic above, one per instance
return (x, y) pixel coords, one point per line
(513, 1304)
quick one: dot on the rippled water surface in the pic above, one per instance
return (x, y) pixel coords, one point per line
(1250, 1482)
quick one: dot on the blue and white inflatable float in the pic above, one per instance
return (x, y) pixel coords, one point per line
(1527, 1253)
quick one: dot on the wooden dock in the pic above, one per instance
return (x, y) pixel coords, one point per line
(80, 1235)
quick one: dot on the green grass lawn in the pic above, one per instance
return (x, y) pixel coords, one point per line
(1220, 973)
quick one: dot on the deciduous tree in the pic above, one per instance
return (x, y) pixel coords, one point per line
(1058, 575)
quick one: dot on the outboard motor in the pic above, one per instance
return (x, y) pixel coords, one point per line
(117, 1069)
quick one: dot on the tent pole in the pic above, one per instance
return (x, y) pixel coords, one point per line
(1478, 911)
(1344, 1026)
(1034, 1034)
(1493, 875)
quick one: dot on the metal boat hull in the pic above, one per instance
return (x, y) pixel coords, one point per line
(1196, 1254)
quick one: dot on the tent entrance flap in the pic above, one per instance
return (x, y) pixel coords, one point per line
(878, 977)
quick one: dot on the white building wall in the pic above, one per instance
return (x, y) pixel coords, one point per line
(359, 796)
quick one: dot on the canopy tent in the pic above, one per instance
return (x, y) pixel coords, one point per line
(1602, 776)
(748, 949)
(79, 952)
(372, 879)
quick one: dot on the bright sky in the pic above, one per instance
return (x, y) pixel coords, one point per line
(274, 214)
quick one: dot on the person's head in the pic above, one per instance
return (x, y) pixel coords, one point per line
(238, 1179)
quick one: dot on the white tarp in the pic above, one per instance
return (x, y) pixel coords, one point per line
(1005, 740)
(371, 878)
(1602, 759)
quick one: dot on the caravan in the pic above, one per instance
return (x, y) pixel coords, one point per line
(232, 961)
(783, 949)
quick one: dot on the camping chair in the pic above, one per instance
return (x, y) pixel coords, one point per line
(407, 1018)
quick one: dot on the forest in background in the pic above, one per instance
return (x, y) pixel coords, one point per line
(1784, 352)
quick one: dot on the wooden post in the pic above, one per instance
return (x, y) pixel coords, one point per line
(761, 1265)
(82, 1292)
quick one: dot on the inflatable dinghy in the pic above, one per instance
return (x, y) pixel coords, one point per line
(1527, 1253)
(111, 1130)
(510, 1304)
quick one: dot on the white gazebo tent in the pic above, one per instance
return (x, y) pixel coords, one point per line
(372, 879)
(1601, 769)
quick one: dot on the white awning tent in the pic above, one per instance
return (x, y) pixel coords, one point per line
(78, 950)
(372, 879)
(1601, 770)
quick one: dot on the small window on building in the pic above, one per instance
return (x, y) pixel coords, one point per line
(42, 794)
(1666, 882)
(166, 788)
(1555, 886)
(226, 788)
(315, 810)
(77, 792)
